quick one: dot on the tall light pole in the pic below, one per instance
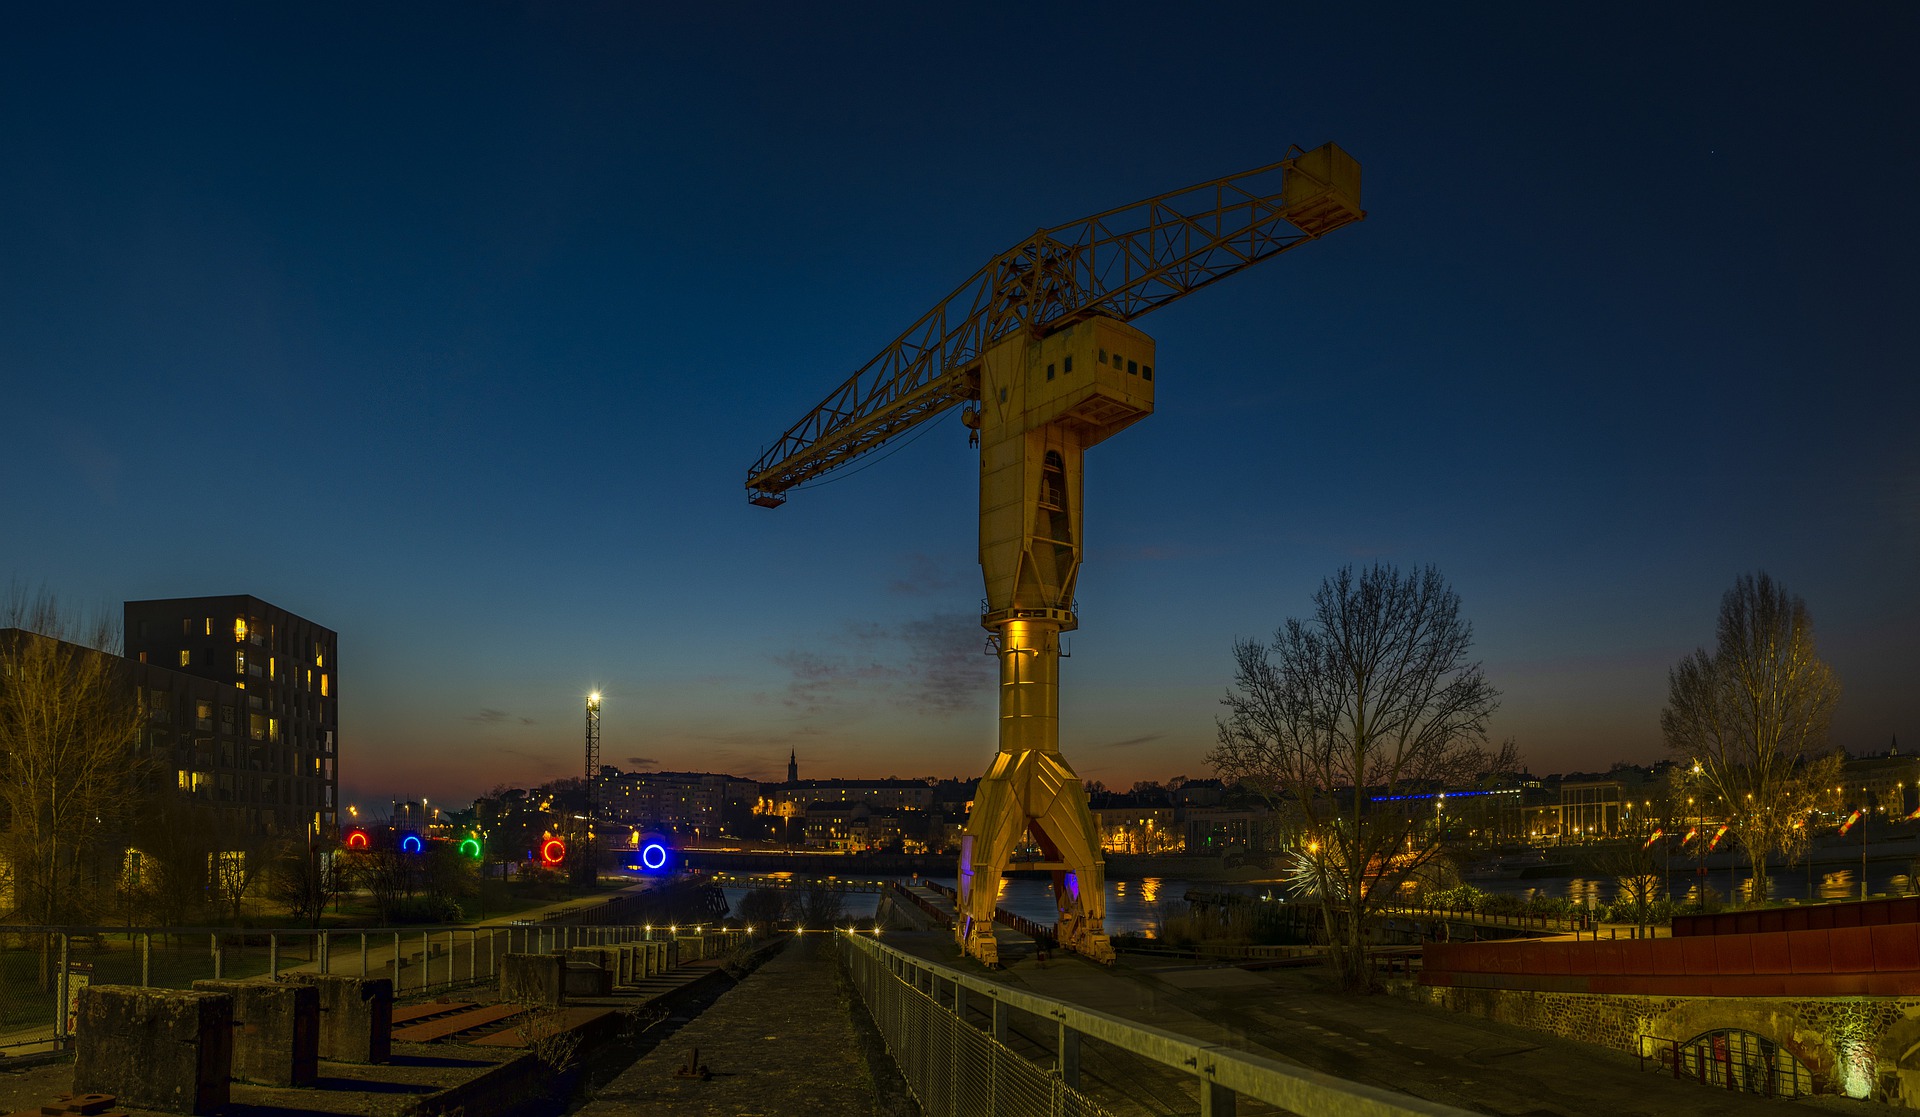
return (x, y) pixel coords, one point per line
(589, 854)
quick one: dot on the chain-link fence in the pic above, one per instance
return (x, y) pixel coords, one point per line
(953, 1068)
(43, 968)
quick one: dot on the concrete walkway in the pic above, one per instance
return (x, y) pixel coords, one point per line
(1295, 1016)
(782, 1042)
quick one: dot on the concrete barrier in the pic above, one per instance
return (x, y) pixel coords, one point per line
(162, 1049)
(533, 979)
(276, 1030)
(356, 1016)
(584, 979)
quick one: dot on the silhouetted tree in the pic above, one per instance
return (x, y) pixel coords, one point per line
(1345, 713)
(69, 773)
(1750, 719)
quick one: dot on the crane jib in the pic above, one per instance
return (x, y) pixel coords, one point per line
(1122, 263)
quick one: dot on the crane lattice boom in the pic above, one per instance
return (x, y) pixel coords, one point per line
(1120, 264)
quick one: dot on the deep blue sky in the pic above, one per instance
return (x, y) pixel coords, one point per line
(454, 327)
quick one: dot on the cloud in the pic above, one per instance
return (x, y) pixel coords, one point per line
(821, 682)
(923, 576)
(947, 669)
(1131, 742)
(930, 664)
(489, 716)
(642, 762)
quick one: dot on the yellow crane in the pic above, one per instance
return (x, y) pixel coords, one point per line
(1037, 350)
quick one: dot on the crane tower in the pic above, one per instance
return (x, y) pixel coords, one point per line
(1037, 349)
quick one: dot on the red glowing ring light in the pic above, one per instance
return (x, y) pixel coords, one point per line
(553, 851)
(357, 839)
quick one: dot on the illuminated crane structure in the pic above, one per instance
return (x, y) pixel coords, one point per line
(1037, 349)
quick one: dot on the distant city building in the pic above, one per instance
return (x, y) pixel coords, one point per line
(886, 796)
(693, 804)
(1887, 782)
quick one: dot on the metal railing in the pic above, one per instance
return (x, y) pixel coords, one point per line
(922, 1011)
(42, 968)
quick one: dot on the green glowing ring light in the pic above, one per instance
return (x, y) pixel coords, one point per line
(474, 843)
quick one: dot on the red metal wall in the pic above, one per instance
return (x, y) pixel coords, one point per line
(1868, 960)
(1814, 917)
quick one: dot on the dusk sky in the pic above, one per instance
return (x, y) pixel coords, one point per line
(455, 326)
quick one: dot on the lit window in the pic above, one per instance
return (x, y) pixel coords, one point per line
(239, 629)
(270, 662)
(186, 657)
(323, 686)
(209, 621)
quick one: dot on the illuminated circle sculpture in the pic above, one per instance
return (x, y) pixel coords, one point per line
(470, 846)
(553, 851)
(653, 856)
(357, 839)
(411, 843)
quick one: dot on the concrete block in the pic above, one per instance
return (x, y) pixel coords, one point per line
(276, 1030)
(533, 979)
(162, 1049)
(584, 979)
(356, 1016)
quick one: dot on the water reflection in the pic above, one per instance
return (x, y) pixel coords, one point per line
(1132, 906)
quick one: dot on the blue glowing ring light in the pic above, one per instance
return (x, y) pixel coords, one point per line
(653, 856)
(411, 844)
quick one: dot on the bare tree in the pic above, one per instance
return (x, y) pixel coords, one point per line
(305, 879)
(1345, 715)
(1750, 719)
(68, 770)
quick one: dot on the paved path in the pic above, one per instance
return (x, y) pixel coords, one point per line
(782, 1043)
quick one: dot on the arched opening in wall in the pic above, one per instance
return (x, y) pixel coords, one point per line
(1738, 1060)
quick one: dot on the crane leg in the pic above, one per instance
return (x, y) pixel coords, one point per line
(1031, 793)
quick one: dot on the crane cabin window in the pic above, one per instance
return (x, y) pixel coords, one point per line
(1066, 365)
(1049, 372)
(1133, 368)
(1146, 372)
(1103, 356)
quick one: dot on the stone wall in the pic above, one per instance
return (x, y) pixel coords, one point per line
(1858, 1046)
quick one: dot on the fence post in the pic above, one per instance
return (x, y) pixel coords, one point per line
(273, 956)
(1069, 1056)
(493, 967)
(217, 958)
(396, 963)
(60, 1003)
(146, 958)
(999, 1020)
(473, 957)
(1215, 1100)
(959, 1001)
(426, 961)
(363, 954)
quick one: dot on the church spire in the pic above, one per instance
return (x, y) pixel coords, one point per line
(793, 766)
